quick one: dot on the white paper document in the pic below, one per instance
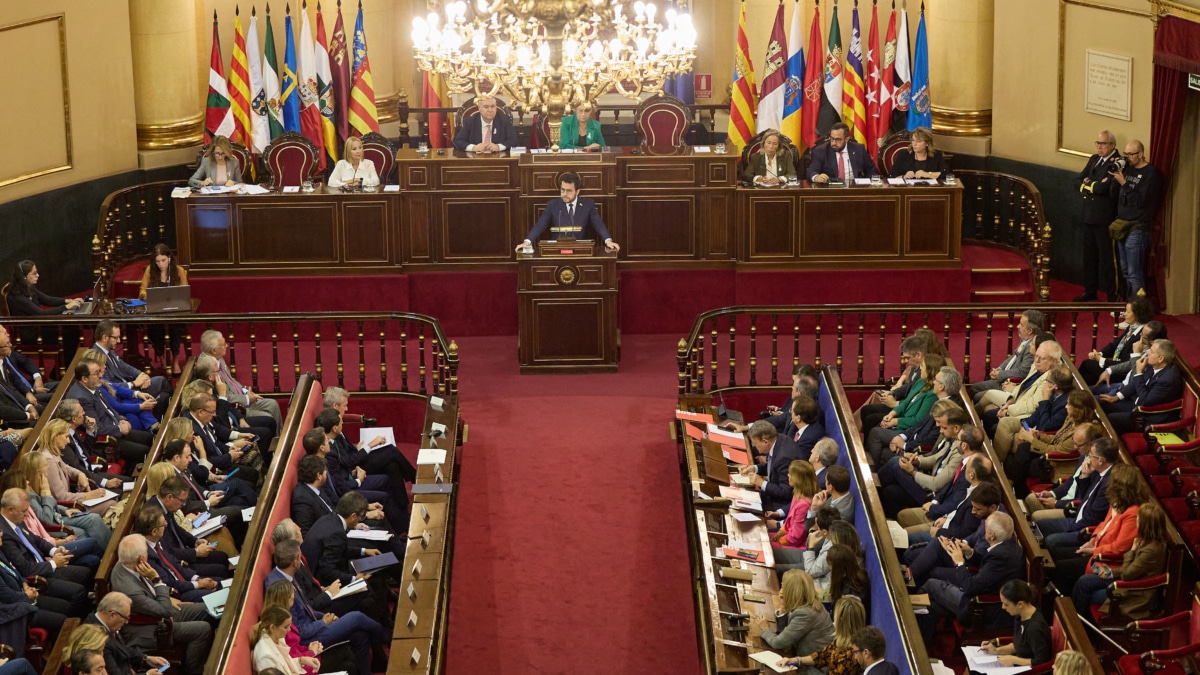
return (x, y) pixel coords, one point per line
(368, 434)
(982, 662)
(248, 514)
(899, 534)
(226, 583)
(235, 560)
(181, 193)
(356, 586)
(108, 494)
(895, 181)
(431, 456)
(215, 190)
(211, 525)
(127, 487)
(862, 181)
(714, 430)
(701, 148)
(745, 517)
(769, 659)
(369, 535)
(391, 188)
(291, 188)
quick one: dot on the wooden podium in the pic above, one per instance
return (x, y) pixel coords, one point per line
(567, 294)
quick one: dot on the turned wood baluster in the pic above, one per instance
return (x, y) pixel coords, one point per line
(882, 345)
(795, 342)
(403, 357)
(732, 350)
(987, 344)
(1043, 273)
(1074, 332)
(436, 375)
(774, 350)
(753, 349)
(421, 357)
(979, 202)
(383, 367)
(231, 356)
(296, 348)
(341, 365)
(696, 365)
(452, 365)
(362, 358)
(713, 351)
(274, 355)
(966, 366)
(946, 330)
(841, 329)
(317, 349)
(162, 225)
(402, 111)
(681, 365)
(817, 343)
(254, 360)
(996, 219)
(862, 331)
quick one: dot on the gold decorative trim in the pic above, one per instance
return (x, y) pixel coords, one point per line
(170, 135)
(391, 104)
(953, 122)
(1176, 9)
(61, 18)
(1062, 55)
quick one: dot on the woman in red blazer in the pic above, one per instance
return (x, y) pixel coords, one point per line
(1114, 536)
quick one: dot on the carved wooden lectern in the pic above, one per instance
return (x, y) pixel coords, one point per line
(567, 294)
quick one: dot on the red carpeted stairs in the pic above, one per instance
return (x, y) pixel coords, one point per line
(997, 275)
(569, 553)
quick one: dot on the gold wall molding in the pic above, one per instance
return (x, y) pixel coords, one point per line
(61, 20)
(390, 104)
(953, 122)
(1176, 9)
(169, 135)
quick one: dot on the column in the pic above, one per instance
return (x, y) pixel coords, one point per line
(165, 77)
(960, 63)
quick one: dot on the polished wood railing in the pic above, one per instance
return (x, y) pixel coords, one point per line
(132, 221)
(757, 346)
(374, 353)
(1001, 208)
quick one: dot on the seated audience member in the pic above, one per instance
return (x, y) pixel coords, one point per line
(26, 299)
(208, 379)
(80, 452)
(33, 556)
(1022, 399)
(923, 438)
(817, 564)
(121, 653)
(1090, 502)
(808, 628)
(30, 474)
(18, 611)
(977, 470)
(338, 658)
(224, 449)
(270, 647)
(108, 337)
(1052, 504)
(135, 406)
(582, 129)
(847, 576)
(804, 381)
(87, 661)
(163, 272)
(912, 356)
(888, 440)
(202, 556)
(1071, 662)
(920, 159)
(1034, 444)
(213, 344)
(1048, 414)
(837, 658)
(151, 523)
(1001, 561)
(328, 628)
(375, 456)
(912, 479)
(18, 404)
(316, 442)
(967, 529)
(23, 372)
(934, 345)
(1031, 643)
(308, 504)
(1117, 375)
(789, 544)
(841, 159)
(769, 475)
(56, 436)
(133, 444)
(816, 549)
(228, 499)
(911, 410)
(1156, 380)
(16, 667)
(219, 166)
(870, 649)
(1147, 557)
(353, 170)
(1137, 313)
(1112, 538)
(1020, 361)
(325, 544)
(772, 164)
(804, 424)
(85, 645)
(287, 539)
(824, 455)
(150, 596)
(836, 494)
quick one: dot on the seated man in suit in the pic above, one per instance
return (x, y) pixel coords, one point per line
(80, 453)
(28, 371)
(912, 355)
(824, 455)
(572, 216)
(308, 503)
(22, 607)
(212, 342)
(870, 650)
(1051, 504)
(185, 584)
(919, 519)
(959, 520)
(207, 371)
(911, 479)
(133, 444)
(199, 554)
(18, 404)
(1020, 402)
(384, 506)
(486, 132)
(885, 443)
(326, 545)
(1138, 313)
(223, 446)
(31, 555)
(375, 455)
(931, 560)
(769, 474)
(230, 504)
(1048, 414)
(1089, 507)
(112, 614)
(835, 494)
(108, 337)
(1117, 375)
(1020, 361)
(321, 597)
(841, 159)
(1156, 380)
(150, 596)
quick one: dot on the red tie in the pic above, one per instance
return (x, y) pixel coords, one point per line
(797, 438)
(314, 577)
(162, 555)
(959, 472)
(841, 166)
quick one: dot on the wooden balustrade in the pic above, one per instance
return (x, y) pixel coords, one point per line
(1004, 209)
(132, 221)
(862, 342)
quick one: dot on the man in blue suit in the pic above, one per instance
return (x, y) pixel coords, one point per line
(999, 562)
(572, 216)
(1063, 533)
(946, 500)
(770, 477)
(841, 159)
(1156, 380)
(486, 132)
(870, 648)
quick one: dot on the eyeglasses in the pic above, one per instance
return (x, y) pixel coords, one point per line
(1133, 154)
(1102, 143)
(113, 611)
(1096, 457)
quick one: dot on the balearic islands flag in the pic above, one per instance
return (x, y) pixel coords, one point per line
(854, 106)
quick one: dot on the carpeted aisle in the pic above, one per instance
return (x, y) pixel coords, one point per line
(570, 555)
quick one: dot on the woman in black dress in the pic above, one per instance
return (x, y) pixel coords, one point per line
(26, 299)
(921, 159)
(1031, 644)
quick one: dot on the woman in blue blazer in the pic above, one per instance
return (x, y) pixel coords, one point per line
(581, 130)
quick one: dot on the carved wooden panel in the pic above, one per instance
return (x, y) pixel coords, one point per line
(211, 235)
(365, 231)
(929, 225)
(476, 228)
(849, 225)
(497, 174)
(772, 224)
(569, 327)
(660, 226)
(304, 232)
(659, 173)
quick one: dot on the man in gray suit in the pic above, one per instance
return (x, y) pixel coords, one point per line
(150, 597)
(1019, 362)
(212, 342)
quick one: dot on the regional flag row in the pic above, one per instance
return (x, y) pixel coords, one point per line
(323, 90)
(804, 97)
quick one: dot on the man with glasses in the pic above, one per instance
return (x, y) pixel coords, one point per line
(1099, 191)
(25, 607)
(1089, 506)
(80, 452)
(1141, 190)
(108, 336)
(870, 648)
(112, 614)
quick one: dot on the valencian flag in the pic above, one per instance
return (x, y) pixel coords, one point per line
(218, 118)
(289, 97)
(363, 118)
(260, 130)
(793, 91)
(270, 70)
(874, 83)
(770, 102)
(325, 91)
(435, 94)
(814, 80)
(306, 86)
(239, 84)
(919, 110)
(902, 82)
(745, 95)
(339, 64)
(887, 78)
(831, 92)
(854, 104)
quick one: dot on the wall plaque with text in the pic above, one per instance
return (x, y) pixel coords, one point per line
(1109, 84)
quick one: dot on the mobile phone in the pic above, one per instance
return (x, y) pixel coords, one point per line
(1025, 425)
(230, 474)
(164, 667)
(200, 519)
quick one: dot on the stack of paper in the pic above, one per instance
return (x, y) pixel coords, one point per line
(981, 662)
(431, 456)
(770, 659)
(369, 535)
(108, 494)
(356, 586)
(368, 434)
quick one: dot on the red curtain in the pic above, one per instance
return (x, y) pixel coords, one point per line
(1176, 53)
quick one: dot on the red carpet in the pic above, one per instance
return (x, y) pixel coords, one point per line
(569, 556)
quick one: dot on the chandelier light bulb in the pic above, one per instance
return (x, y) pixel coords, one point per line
(651, 10)
(639, 8)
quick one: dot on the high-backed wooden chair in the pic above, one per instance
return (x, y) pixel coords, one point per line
(291, 159)
(893, 144)
(382, 154)
(244, 158)
(470, 109)
(755, 145)
(662, 120)
(4, 298)
(806, 158)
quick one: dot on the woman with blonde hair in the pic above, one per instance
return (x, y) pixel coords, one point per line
(270, 648)
(219, 166)
(283, 594)
(89, 636)
(792, 539)
(353, 170)
(1033, 445)
(55, 436)
(807, 628)
(920, 159)
(33, 469)
(1070, 662)
(581, 129)
(181, 429)
(1146, 558)
(837, 658)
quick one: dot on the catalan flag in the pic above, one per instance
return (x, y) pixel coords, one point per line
(793, 93)
(745, 95)
(218, 119)
(325, 91)
(854, 106)
(814, 80)
(239, 85)
(363, 117)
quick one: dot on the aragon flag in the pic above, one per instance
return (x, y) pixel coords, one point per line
(744, 101)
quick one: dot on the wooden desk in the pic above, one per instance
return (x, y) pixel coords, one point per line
(568, 313)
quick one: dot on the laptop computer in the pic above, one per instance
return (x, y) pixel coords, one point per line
(162, 299)
(87, 307)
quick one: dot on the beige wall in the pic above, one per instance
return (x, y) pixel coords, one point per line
(100, 94)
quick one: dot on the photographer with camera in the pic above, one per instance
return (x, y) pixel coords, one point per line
(1100, 193)
(1137, 203)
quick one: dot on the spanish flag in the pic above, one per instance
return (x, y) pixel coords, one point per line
(745, 95)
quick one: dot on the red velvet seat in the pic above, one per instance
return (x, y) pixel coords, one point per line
(892, 145)
(1181, 636)
(662, 120)
(382, 154)
(291, 159)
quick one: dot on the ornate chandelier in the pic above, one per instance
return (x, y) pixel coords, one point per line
(545, 54)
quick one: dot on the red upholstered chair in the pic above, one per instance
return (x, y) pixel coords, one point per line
(755, 145)
(381, 153)
(291, 159)
(893, 144)
(662, 120)
(244, 158)
(1180, 636)
(469, 109)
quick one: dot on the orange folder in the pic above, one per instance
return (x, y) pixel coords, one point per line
(703, 418)
(744, 554)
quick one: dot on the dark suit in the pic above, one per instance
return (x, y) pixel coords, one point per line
(1049, 415)
(214, 438)
(885, 668)
(12, 397)
(824, 161)
(1099, 210)
(133, 445)
(181, 544)
(471, 132)
(776, 493)
(119, 371)
(1005, 561)
(326, 549)
(1116, 351)
(69, 583)
(1148, 389)
(119, 656)
(176, 575)
(308, 507)
(356, 627)
(586, 221)
(17, 613)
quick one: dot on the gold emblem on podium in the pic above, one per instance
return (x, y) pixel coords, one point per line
(566, 275)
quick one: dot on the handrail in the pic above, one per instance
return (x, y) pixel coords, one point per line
(47, 414)
(728, 339)
(412, 343)
(1005, 209)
